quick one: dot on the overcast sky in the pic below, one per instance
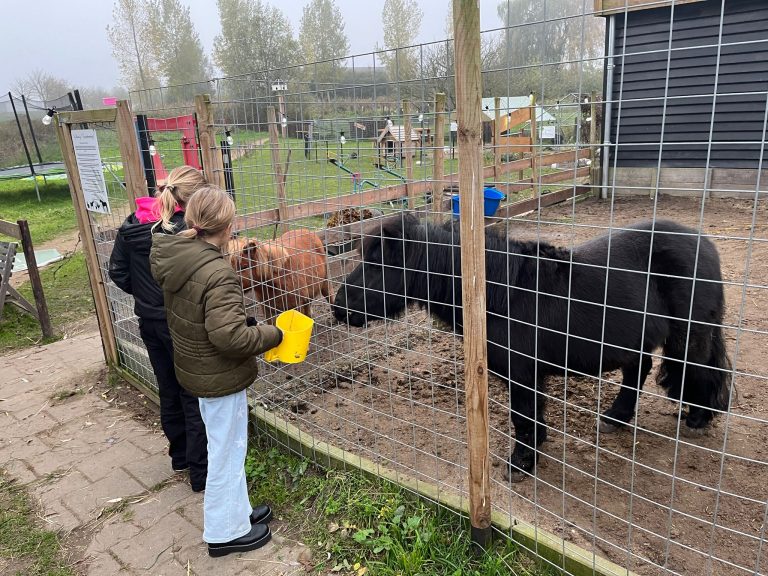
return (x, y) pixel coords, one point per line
(69, 39)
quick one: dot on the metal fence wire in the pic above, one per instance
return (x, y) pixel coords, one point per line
(625, 263)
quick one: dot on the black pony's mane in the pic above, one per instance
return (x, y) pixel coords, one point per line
(509, 261)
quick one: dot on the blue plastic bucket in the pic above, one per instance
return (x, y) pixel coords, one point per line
(492, 199)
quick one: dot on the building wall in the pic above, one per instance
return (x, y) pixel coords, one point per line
(645, 124)
(698, 182)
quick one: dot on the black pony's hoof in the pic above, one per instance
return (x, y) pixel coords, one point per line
(514, 474)
(689, 432)
(609, 427)
(518, 469)
(610, 424)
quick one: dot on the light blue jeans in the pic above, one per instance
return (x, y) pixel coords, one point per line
(226, 508)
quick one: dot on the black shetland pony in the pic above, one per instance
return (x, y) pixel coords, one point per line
(535, 296)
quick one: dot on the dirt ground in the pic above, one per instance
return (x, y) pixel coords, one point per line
(645, 497)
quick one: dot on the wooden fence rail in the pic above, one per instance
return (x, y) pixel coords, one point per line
(396, 192)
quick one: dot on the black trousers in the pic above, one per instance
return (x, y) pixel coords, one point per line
(179, 410)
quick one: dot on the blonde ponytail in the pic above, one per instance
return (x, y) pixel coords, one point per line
(210, 211)
(181, 184)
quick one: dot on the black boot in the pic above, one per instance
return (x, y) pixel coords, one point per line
(259, 535)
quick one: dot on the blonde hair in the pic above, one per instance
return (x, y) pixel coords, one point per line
(181, 184)
(209, 212)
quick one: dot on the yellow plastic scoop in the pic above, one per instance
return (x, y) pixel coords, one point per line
(297, 329)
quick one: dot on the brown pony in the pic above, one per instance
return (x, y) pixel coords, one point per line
(285, 273)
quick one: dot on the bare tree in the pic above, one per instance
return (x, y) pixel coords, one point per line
(132, 44)
(92, 96)
(438, 66)
(562, 34)
(40, 86)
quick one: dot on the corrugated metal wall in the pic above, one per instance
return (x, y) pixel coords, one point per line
(641, 75)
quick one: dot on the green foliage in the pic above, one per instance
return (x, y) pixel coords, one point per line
(255, 37)
(322, 39)
(176, 44)
(401, 22)
(156, 43)
(369, 526)
(132, 44)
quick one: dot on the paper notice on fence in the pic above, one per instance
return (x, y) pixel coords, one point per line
(548, 133)
(91, 171)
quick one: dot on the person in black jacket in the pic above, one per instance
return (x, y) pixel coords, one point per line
(129, 270)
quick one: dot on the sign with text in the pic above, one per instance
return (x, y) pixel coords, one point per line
(89, 165)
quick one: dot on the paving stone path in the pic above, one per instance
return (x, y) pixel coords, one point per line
(103, 479)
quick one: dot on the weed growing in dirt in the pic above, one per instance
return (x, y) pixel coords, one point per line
(356, 525)
(25, 549)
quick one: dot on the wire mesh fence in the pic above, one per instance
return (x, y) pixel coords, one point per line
(625, 264)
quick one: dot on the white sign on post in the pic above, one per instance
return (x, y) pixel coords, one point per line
(548, 133)
(89, 165)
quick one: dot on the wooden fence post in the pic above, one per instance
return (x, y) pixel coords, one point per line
(34, 279)
(407, 147)
(438, 154)
(135, 182)
(98, 288)
(534, 150)
(279, 178)
(213, 164)
(594, 168)
(466, 32)
(496, 140)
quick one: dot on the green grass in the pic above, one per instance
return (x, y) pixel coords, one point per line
(69, 299)
(316, 178)
(51, 217)
(28, 550)
(372, 527)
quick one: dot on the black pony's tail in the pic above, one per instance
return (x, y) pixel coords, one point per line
(708, 372)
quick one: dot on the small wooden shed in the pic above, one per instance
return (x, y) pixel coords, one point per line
(390, 143)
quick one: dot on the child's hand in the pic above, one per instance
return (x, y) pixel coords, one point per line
(251, 321)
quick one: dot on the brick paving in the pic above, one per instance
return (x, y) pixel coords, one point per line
(102, 479)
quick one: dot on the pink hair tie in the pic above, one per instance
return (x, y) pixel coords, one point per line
(198, 229)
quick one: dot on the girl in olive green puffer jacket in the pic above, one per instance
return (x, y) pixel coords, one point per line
(215, 359)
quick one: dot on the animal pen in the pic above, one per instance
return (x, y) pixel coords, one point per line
(677, 133)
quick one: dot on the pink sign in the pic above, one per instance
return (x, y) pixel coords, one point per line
(109, 101)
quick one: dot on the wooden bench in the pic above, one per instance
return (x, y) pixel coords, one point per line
(20, 231)
(8, 292)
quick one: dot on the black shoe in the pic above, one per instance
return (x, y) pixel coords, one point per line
(198, 487)
(180, 468)
(259, 535)
(261, 514)
(197, 479)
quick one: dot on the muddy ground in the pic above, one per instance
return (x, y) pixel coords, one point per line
(645, 497)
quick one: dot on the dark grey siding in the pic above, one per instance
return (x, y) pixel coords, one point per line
(643, 71)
